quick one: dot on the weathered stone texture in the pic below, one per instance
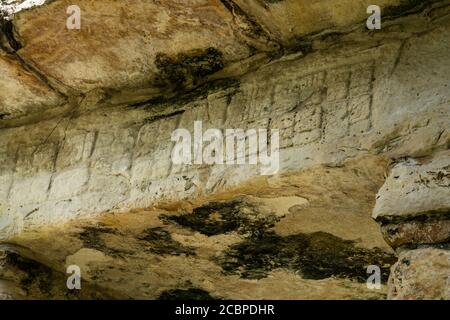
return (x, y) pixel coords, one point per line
(414, 189)
(114, 159)
(421, 274)
(86, 117)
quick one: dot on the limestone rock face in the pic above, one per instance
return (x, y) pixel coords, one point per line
(23, 94)
(421, 274)
(86, 124)
(414, 211)
(414, 203)
(268, 244)
(122, 46)
(414, 189)
(290, 20)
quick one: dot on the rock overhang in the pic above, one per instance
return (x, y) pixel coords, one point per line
(126, 54)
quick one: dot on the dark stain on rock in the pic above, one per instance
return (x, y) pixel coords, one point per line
(36, 274)
(161, 242)
(186, 294)
(158, 117)
(91, 237)
(179, 99)
(317, 255)
(40, 281)
(414, 246)
(7, 35)
(405, 7)
(4, 115)
(216, 218)
(300, 45)
(424, 217)
(187, 69)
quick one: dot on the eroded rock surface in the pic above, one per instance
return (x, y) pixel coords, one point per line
(414, 210)
(414, 203)
(24, 276)
(273, 248)
(86, 118)
(421, 274)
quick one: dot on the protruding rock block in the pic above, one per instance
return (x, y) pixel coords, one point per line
(413, 206)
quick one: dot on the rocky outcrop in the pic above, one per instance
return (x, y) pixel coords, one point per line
(260, 241)
(413, 208)
(86, 118)
(421, 274)
(414, 203)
